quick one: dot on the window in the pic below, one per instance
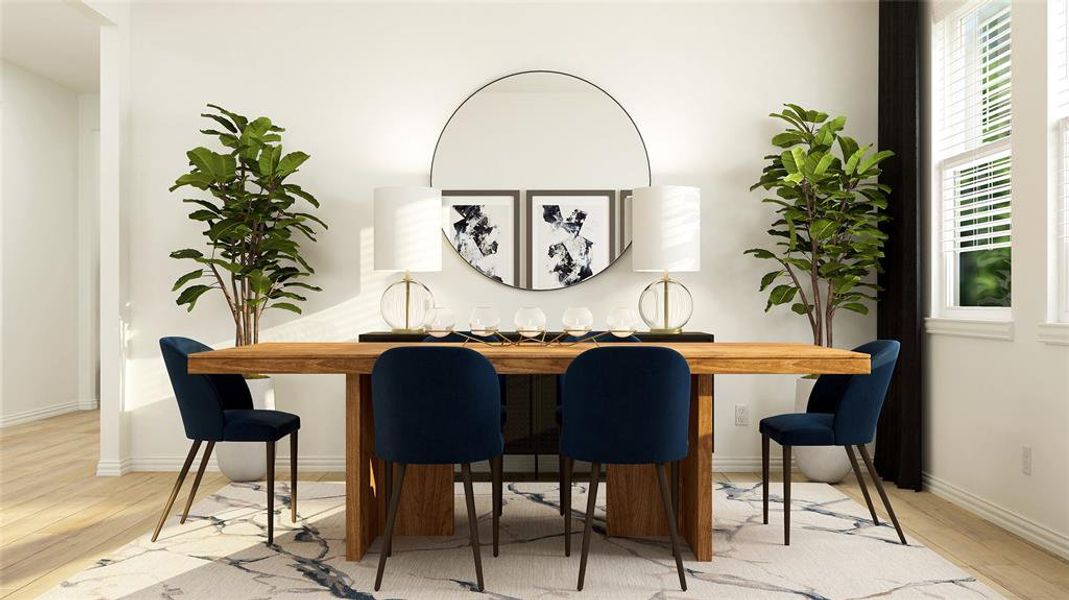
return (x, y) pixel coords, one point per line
(1059, 110)
(972, 101)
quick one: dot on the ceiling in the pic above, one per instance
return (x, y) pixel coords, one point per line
(56, 39)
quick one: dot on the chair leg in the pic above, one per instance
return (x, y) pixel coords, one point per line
(293, 477)
(495, 472)
(270, 493)
(591, 502)
(786, 495)
(388, 485)
(391, 518)
(861, 484)
(177, 487)
(673, 528)
(561, 460)
(473, 523)
(566, 504)
(675, 486)
(879, 488)
(764, 478)
(196, 481)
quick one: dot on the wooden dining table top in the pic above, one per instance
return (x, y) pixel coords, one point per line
(704, 358)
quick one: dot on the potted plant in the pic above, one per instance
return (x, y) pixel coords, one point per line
(828, 243)
(254, 219)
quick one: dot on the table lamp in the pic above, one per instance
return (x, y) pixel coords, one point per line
(666, 239)
(408, 237)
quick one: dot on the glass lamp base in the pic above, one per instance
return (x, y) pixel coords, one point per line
(666, 305)
(405, 305)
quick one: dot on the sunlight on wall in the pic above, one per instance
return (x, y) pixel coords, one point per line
(146, 378)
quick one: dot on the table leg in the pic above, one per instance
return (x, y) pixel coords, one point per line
(697, 471)
(362, 493)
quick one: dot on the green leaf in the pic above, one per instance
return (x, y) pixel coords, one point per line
(768, 279)
(259, 282)
(760, 253)
(822, 229)
(286, 306)
(289, 163)
(782, 294)
(187, 253)
(187, 278)
(873, 160)
(800, 308)
(203, 215)
(190, 295)
(856, 307)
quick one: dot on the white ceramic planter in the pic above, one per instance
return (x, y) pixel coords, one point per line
(247, 461)
(819, 463)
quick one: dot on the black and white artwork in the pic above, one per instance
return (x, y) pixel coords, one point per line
(482, 227)
(570, 236)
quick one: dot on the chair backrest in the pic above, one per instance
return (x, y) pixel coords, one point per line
(436, 405)
(607, 339)
(856, 400)
(626, 406)
(201, 398)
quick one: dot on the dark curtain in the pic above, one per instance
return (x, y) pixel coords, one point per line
(900, 309)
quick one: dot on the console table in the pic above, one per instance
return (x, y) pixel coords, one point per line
(427, 500)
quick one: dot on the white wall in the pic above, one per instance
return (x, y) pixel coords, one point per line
(39, 263)
(366, 88)
(987, 398)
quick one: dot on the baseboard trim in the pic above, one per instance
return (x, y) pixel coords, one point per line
(36, 414)
(88, 404)
(117, 468)
(1039, 535)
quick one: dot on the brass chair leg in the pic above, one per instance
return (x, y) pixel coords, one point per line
(764, 478)
(861, 484)
(196, 481)
(566, 504)
(473, 523)
(591, 502)
(786, 495)
(391, 518)
(673, 527)
(293, 477)
(177, 487)
(497, 475)
(879, 488)
(270, 493)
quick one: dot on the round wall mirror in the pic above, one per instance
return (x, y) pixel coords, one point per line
(536, 170)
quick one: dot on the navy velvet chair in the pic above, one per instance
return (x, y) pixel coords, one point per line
(565, 467)
(626, 406)
(843, 411)
(440, 406)
(218, 408)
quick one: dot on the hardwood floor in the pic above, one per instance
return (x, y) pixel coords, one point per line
(57, 517)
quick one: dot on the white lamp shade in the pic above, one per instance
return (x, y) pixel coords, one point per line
(408, 229)
(666, 235)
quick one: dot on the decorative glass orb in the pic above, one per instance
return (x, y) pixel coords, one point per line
(405, 305)
(577, 321)
(484, 321)
(622, 321)
(666, 305)
(530, 321)
(440, 322)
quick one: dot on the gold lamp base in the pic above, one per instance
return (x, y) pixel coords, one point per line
(667, 331)
(402, 330)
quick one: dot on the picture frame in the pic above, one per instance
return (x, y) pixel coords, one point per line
(623, 217)
(570, 236)
(483, 226)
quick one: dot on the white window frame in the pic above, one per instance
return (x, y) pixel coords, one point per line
(944, 272)
(1058, 213)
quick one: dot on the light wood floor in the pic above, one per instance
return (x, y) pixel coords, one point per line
(57, 517)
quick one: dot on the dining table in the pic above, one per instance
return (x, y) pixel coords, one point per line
(632, 501)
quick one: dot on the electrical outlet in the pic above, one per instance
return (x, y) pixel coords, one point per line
(1026, 460)
(742, 415)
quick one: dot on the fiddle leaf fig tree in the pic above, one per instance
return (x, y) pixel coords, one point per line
(829, 209)
(254, 219)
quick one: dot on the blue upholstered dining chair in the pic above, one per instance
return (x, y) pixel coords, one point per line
(440, 406)
(565, 467)
(496, 475)
(218, 408)
(626, 406)
(843, 411)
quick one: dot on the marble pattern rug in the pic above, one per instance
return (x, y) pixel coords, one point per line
(836, 552)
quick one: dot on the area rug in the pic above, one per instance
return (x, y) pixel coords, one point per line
(836, 552)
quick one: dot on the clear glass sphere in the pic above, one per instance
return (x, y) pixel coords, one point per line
(666, 305)
(577, 321)
(530, 321)
(405, 305)
(484, 321)
(622, 321)
(440, 321)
